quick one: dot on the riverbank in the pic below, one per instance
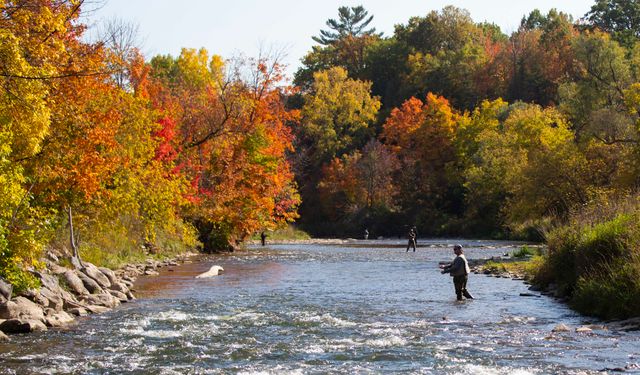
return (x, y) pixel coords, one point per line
(525, 269)
(68, 293)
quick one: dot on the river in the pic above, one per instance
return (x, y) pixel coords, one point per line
(359, 307)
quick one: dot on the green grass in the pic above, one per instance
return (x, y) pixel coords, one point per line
(287, 233)
(527, 268)
(525, 251)
(494, 267)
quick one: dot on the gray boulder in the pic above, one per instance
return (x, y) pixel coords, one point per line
(89, 283)
(120, 287)
(21, 308)
(48, 281)
(561, 328)
(5, 290)
(22, 326)
(59, 319)
(102, 299)
(119, 295)
(75, 283)
(95, 309)
(78, 311)
(35, 296)
(56, 269)
(55, 300)
(109, 274)
(97, 275)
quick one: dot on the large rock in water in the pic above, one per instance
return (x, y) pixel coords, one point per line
(119, 287)
(74, 283)
(59, 319)
(21, 308)
(213, 271)
(22, 326)
(119, 295)
(94, 273)
(5, 290)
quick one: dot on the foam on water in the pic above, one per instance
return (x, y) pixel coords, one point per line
(327, 319)
(386, 342)
(472, 369)
(172, 315)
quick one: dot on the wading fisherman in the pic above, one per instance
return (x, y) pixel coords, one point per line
(459, 269)
(412, 239)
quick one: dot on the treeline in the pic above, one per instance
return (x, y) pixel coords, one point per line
(460, 129)
(448, 124)
(141, 156)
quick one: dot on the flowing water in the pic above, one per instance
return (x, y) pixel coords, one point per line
(360, 307)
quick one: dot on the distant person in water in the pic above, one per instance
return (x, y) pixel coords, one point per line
(412, 239)
(263, 238)
(366, 234)
(459, 269)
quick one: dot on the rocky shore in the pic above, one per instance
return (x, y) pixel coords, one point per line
(67, 293)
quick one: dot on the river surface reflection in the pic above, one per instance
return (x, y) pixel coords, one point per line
(356, 307)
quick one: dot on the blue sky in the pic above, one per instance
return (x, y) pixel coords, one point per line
(229, 28)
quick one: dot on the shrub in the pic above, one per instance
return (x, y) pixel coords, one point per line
(12, 263)
(594, 259)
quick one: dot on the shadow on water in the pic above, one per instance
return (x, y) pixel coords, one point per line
(356, 307)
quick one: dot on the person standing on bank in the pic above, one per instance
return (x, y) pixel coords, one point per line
(412, 239)
(459, 269)
(263, 238)
(366, 233)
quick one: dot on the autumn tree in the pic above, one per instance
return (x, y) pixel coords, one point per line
(539, 57)
(446, 52)
(38, 47)
(337, 115)
(529, 161)
(231, 137)
(422, 135)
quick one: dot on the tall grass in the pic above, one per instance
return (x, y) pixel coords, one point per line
(289, 232)
(594, 259)
(119, 242)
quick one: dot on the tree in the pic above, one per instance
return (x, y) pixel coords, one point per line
(621, 18)
(539, 57)
(337, 115)
(231, 137)
(39, 41)
(352, 22)
(346, 47)
(422, 135)
(531, 161)
(446, 53)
